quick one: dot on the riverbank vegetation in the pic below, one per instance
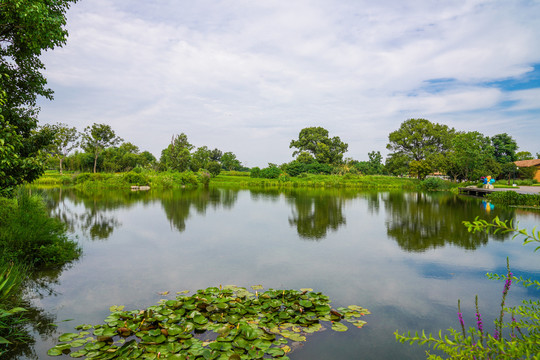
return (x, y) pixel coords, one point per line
(30, 240)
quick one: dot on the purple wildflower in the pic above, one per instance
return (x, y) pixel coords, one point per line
(479, 323)
(496, 335)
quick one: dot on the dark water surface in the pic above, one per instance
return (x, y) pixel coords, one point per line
(404, 256)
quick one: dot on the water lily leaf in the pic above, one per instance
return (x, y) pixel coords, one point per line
(306, 303)
(78, 354)
(115, 308)
(257, 287)
(68, 337)
(337, 326)
(54, 352)
(306, 289)
(275, 352)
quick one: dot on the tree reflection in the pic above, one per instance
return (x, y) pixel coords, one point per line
(315, 213)
(420, 221)
(177, 204)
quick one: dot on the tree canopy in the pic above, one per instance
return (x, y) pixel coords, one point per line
(27, 27)
(315, 141)
(97, 138)
(417, 139)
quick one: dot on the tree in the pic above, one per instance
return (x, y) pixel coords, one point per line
(471, 156)
(26, 29)
(417, 139)
(230, 162)
(315, 140)
(177, 155)
(65, 140)
(200, 158)
(215, 155)
(504, 148)
(524, 155)
(97, 138)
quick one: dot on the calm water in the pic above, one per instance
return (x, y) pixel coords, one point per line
(404, 256)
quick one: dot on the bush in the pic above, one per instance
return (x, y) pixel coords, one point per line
(270, 172)
(214, 168)
(255, 172)
(513, 198)
(134, 178)
(29, 236)
(434, 184)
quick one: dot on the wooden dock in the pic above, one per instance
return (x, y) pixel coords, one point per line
(474, 191)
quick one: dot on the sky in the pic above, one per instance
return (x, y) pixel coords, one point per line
(247, 76)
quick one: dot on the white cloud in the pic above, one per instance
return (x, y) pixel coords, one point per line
(247, 76)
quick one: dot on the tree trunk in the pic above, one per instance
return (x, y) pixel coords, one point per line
(95, 163)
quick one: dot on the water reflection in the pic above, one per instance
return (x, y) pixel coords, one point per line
(314, 214)
(420, 221)
(40, 322)
(177, 205)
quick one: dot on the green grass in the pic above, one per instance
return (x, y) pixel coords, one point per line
(319, 181)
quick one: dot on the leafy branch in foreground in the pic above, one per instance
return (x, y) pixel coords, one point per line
(503, 227)
(523, 338)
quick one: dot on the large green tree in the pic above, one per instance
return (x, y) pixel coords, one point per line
(471, 157)
(97, 138)
(27, 28)
(315, 141)
(418, 139)
(504, 148)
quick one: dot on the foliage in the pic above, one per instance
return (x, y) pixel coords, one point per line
(29, 236)
(504, 148)
(26, 29)
(65, 140)
(417, 139)
(514, 198)
(434, 184)
(177, 155)
(315, 141)
(523, 340)
(97, 138)
(420, 169)
(255, 172)
(270, 172)
(524, 155)
(243, 325)
(214, 167)
(230, 162)
(471, 157)
(200, 158)
(135, 178)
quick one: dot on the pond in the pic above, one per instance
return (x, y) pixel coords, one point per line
(405, 256)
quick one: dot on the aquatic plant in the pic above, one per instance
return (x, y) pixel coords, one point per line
(215, 323)
(523, 340)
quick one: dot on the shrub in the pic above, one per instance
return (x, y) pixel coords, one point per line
(135, 178)
(214, 168)
(29, 236)
(434, 184)
(513, 198)
(270, 172)
(255, 172)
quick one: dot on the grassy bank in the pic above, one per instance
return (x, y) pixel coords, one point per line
(29, 240)
(168, 180)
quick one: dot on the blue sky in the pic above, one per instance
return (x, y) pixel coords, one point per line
(247, 76)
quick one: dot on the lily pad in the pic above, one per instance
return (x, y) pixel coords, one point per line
(215, 323)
